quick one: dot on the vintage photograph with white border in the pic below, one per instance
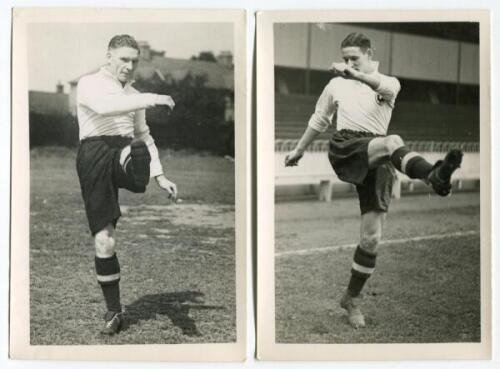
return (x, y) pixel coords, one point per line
(430, 294)
(182, 242)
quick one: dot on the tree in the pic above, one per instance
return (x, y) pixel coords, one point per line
(197, 121)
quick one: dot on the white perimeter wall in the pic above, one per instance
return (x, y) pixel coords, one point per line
(314, 167)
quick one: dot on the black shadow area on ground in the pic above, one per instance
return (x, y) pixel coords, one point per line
(176, 305)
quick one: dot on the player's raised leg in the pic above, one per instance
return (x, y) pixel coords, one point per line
(392, 148)
(363, 265)
(135, 162)
(108, 277)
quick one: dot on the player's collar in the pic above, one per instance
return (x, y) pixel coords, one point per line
(105, 71)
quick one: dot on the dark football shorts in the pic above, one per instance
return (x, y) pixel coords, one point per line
(101, 175)
(348, 155)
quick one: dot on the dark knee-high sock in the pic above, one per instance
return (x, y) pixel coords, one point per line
(411, 163)
(108, 276)
(363, 266)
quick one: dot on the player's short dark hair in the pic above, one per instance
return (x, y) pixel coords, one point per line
(123, 41)
(356, 39)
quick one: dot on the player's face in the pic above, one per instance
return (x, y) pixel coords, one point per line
(357, 59)
(123, 62)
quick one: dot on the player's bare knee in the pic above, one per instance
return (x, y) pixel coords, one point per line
(104, 244)
(370, 241)
(393, 142)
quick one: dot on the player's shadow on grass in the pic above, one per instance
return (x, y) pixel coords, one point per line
(176, 305)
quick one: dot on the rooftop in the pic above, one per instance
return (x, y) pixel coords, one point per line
(219, 76)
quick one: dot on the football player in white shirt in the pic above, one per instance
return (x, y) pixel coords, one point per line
(361, 99)
(116, 151)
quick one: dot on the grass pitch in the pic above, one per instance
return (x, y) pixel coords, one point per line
(177, 260)
(426, 286)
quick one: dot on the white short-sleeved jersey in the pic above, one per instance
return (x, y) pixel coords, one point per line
(358, 106)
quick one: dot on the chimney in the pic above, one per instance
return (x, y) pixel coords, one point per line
(60, 88)
(145, 50)
(225, 58)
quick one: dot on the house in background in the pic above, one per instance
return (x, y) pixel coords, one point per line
(49, 103)
(50, 120)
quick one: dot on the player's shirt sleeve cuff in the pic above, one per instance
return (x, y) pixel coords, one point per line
(155, 168)
(319, 123)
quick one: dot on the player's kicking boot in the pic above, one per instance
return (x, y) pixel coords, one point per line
(354, 314)
(113, 323)
(440, 175)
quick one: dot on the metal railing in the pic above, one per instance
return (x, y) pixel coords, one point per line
(281, 145)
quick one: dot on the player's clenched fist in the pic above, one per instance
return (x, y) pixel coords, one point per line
(338, 68)
(165, 100)
(292, 158)
(342, 70)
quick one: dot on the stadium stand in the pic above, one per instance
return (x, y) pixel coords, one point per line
(432, 122)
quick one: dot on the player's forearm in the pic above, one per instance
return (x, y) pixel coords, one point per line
(120, 104)
(156, 168)
(142, 132)
(307, 138)
(371, 79)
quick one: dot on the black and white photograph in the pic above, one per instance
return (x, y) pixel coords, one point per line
(132, 132)
(379, 183)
